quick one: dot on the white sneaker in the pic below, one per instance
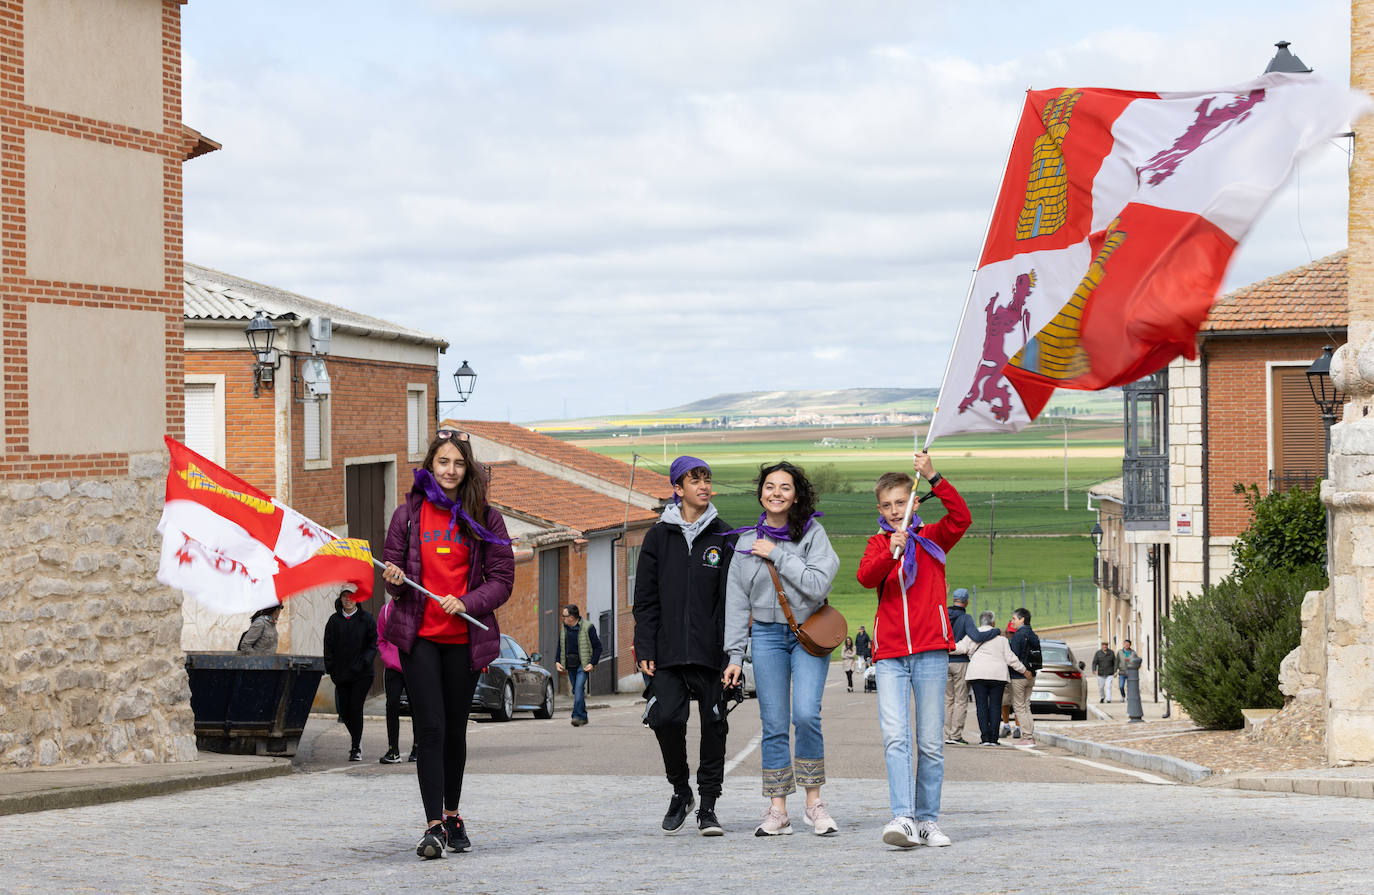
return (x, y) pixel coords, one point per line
(1016, 732)
(1005, 731)
(775, 823)
(819, 819)
(901, 832)
(928, 833)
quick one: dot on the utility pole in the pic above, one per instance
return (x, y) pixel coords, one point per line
(992, 535)
(1066, 463)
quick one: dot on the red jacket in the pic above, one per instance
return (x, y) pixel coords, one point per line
(915, 621)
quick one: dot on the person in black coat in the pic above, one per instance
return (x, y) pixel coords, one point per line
(679, 609)
(350, 646)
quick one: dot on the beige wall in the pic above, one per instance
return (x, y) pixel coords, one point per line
(99, 59)
(96, 380)
(94, 212)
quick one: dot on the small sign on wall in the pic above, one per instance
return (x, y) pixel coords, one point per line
(1183, 523)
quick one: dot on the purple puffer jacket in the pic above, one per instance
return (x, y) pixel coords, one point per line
(491, 576)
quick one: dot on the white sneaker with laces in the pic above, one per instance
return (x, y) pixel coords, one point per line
(901, 832)
(775, 823)
(1005, 731)
(928, 833)
(1016, 732)
(820, 820)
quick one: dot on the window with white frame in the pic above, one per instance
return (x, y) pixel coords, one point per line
(204, 415)
(316, 432)
(417, 421)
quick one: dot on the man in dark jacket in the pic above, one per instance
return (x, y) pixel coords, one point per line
(579, 641)
(1025, 645)
(863, 646)
(679, 608)
(350, 645)
(1104, 666)
(956, 683)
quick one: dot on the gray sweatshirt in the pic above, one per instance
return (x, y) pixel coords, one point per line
(807, 569)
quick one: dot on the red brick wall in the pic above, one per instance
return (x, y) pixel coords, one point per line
(1237, 418)
(20, 292)
(520, 616)
(249, 433)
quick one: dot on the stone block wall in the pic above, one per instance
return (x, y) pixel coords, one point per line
(91, 667)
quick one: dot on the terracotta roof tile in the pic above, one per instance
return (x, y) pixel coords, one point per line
(605, 468)
(1309, 297)
(525, 491)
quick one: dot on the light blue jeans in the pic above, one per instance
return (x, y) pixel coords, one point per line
(577, 678)
(790, 683)
(922, 676)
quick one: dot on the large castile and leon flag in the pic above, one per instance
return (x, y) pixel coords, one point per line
(233, 548)
(1113, 228)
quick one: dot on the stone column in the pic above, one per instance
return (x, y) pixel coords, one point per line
(1349, 491)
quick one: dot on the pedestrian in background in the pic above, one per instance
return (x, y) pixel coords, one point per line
(453, 543)
(790, 682)
(1122, 657)
(350, 646)
(848, 657)
(987, 675)
(394, 684)
(261, 637)
(863, 645)
(579, 639)
(1104, 666)
(961, 625)
(1025, 645)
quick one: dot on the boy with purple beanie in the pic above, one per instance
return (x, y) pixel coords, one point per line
(679, 609)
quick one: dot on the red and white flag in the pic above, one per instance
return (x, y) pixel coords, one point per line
(1117, 217)
(224, 542)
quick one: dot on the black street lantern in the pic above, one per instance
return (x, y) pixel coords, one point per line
(464, 380)
(1096, 535)
(1324, 392)
(260, 333)
(1285, 61)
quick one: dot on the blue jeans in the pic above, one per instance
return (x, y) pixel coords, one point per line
(790, 683)
(922, 676)
(577, 678)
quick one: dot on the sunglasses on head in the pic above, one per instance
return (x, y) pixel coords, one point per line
(444, 434)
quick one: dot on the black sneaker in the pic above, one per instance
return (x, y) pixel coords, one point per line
(355, 755)
(678, 807)
(707, 823)
(432, 843)
(457, 833)
(414, 753)
(391, 757)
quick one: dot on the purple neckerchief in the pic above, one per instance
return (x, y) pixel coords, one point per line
(764, 530)
(909, 555)
(435, 495)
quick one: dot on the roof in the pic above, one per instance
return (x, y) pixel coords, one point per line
(215, 295)
(527, 492)
(1309, 297)
(1112, 489)
(569, 455)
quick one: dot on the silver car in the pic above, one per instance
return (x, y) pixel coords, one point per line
(1059, 684)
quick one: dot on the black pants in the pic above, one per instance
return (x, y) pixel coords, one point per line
(849, 678)
(349, 697)
(987, 700)
(394, 682)
(440, 681)
(671, 692)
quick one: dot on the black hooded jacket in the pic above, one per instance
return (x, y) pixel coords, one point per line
(350, 644)
(679, 599)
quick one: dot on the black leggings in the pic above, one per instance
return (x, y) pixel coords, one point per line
(394, 682)
(849, 676)
(349, 697)
(440, 681)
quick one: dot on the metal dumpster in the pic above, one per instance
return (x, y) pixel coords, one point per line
(251, 705)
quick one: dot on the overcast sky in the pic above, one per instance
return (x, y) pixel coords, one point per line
(621, 206)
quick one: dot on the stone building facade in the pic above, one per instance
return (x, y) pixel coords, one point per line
(92, 140)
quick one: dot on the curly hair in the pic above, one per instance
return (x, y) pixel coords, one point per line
(805, 506)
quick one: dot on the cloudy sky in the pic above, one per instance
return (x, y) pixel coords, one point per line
(611, 207)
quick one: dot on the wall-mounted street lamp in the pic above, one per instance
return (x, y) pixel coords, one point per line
(261, 333)
(1096, 535)
(1325, 394)
(464, 381)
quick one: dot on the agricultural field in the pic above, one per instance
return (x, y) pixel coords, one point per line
(1022, 536)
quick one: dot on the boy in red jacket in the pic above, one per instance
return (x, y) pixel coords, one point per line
(911, 644)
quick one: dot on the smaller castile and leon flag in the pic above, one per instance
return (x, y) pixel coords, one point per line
(1118, 214)
(234, 549)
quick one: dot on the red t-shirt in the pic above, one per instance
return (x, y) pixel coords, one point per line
(444, 570)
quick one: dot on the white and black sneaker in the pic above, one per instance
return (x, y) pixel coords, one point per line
(456, 833)
(678, 808)
(901, 832)
(707, 823)
(928, 833)
(433, 843)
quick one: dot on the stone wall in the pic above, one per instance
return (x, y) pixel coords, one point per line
(91, 667)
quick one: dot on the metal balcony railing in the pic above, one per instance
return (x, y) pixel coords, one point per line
(1145, 483)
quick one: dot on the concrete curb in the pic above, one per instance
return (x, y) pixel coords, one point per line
(1164, 765)
(74, 788)
(1310, 785)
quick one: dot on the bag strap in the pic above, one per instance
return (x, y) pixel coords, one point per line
(782, 595)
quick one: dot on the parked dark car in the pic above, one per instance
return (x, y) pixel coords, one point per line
(514, 682)
(1059, 685)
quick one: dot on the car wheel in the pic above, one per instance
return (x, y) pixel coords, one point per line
(506, 710)
(1079, 716)
(545, 711)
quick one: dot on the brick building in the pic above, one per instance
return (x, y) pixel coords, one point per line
(1240, 413)
(582, 518)
(344, 459)
(92, 140)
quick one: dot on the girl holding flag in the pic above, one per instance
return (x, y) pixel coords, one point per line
(447, 538)
(789, 680)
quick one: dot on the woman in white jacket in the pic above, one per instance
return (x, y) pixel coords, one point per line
(988, 676)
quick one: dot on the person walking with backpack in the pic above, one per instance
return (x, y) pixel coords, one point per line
(1025, 645)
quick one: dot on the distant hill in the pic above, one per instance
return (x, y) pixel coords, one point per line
(834, 400)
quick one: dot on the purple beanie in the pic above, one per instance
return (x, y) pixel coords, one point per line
(683, 465)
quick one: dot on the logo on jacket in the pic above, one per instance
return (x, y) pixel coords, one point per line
(712, 556)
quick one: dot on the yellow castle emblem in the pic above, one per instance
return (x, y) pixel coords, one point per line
(197, 480)
(354, 548)
(1047, 185)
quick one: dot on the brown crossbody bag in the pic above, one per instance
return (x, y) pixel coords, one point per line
(822, 632)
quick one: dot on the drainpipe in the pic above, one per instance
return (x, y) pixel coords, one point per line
(1206, 475)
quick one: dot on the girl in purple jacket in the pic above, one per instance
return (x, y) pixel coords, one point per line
(446, 537)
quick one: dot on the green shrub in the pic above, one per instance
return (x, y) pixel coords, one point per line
(1287, 531)
(1226, 645)
(827, 478)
